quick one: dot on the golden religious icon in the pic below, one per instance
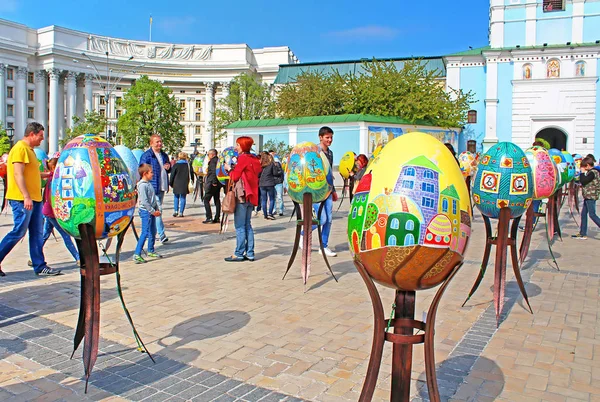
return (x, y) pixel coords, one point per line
(553, 69)
(580, 69)
(527, 72)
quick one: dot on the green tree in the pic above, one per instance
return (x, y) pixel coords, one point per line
(150, 108)
(4, 140)
(248, 99)
(92, 122)
(312, 94)
(280, 147)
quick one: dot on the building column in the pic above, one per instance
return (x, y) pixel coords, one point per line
(2, 95)
(577, 26)
(61, 106)
(20, 103)
(53, 121)
(225, 89)
(207, 137)
(191, 110)
(497, 23)
(80, 108)
(41, 104)
(71, 80)
(491, 101)
(530, 24)
(89, 93)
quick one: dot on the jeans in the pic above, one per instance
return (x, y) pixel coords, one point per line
(23, 220)
(51, 223)
(589, 208)
(160, 226)
(149, 224)
(279, 198)
(179, 200)
(214, 193)
(325, 219)
(243, 230)
(264, 193)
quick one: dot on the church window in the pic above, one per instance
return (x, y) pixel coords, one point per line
(553, 69)
(409, 240)
(410, 172)
(408, 184)
(392, 240)
(445, 205)
(395, 224)
(428, 174)
(454, 207)
(354, 213)
(364, 198)
(580, 69)
(553, 5)
(427, 187)
(472, 116)
(527, 71)
(410, 226)
(427, 202)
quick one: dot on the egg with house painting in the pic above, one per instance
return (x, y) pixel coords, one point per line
(42, 158)
(347, 164)
(468, 163)
(504, 179)
(570, 162)
(561, 165)
(130, 161)
(91, 185)
(543, 171)
(308, 171)
(577, 159)
(410, 219)
(138, 154)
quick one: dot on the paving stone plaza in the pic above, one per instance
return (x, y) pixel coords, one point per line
(236, 332)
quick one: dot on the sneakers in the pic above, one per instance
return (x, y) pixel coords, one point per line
(164, 239)
(138, 259)
(29, 263)
(328, 252)
(579, 237)
(154, 255)
(207, 220)
(2, 273)
(49, 271)
(175, 214)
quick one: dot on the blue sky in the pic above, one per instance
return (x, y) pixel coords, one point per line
(315, 30)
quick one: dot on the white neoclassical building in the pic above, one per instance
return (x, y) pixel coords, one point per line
(51, 74)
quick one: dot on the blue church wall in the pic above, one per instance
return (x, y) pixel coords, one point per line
(345, 138)
(473, 79)
(514, 33)
(279, 134)
(505, 95)
(554, 31)
(515, 13)
(591, 25)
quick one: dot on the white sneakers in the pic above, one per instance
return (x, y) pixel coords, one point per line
(329, 252)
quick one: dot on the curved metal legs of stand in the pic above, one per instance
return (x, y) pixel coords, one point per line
(402, 339)
(88, 324)
(530, 218)
(574, 201)
(502, 241)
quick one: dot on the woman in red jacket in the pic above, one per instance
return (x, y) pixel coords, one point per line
(247, 169)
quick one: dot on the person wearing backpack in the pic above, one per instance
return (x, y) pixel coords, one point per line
(278, 174)
(590, 189)
(267, 185)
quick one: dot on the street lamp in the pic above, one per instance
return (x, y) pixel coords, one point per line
(195, 145)
(10, 133)
(111, 80)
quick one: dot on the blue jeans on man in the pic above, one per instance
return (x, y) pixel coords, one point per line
(243, 229)
(52, 223)
(24, 220)
(160, 226)
(149, 224)
(279, 198)
(178, 204)
(589, 208)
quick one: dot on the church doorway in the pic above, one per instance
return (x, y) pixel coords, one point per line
(555, 137)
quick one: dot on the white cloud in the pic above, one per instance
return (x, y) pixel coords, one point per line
(174, 23)
(365, 33)
(8, 6)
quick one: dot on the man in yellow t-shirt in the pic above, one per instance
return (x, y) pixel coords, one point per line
(24, 193)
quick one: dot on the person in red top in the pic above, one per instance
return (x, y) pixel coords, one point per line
(247, 169)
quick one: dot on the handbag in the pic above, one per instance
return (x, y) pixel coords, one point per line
(229, 202)
(240, 191)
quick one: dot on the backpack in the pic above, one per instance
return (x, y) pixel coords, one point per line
(277, 170)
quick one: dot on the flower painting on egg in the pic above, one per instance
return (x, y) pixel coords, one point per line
(308, 171)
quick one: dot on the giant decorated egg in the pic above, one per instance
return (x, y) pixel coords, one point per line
(197, 164)
(138, 154)
(577, 159)
(561, 165)
(544, 172)
(3, 167)
(229, 156)
(347, 164)
(503, 179)
(130, 161)
(308, 171)
(468, 164)
(409, 222)
(42, 157)
(570, 161)
(91, 185)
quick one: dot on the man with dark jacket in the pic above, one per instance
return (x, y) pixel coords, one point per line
(161, 166)
(212, 188)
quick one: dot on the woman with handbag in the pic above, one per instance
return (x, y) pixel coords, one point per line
(245, 178)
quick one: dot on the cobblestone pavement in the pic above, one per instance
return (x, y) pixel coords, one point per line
(235, 331)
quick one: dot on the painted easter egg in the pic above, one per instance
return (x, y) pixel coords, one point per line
(347, 164)
(503, 179)
(137, 153)
(91, 185)
(197, 164)
(42, 157)
(468, 163)
(410, 219)
(561, 165)
(308, 171)
(544, 172)
(229, 156)
(570, 161)
(130, 161)
(3, 167)
(577, 159)
(205, 165)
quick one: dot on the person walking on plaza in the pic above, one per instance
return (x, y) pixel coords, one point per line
(180, 181)
(326, 218)
(267, 181)
(24, 194)
(590, 189)
(279, 177)
(246, 170)
(149, 210)
(159, 161)
(212, 189)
